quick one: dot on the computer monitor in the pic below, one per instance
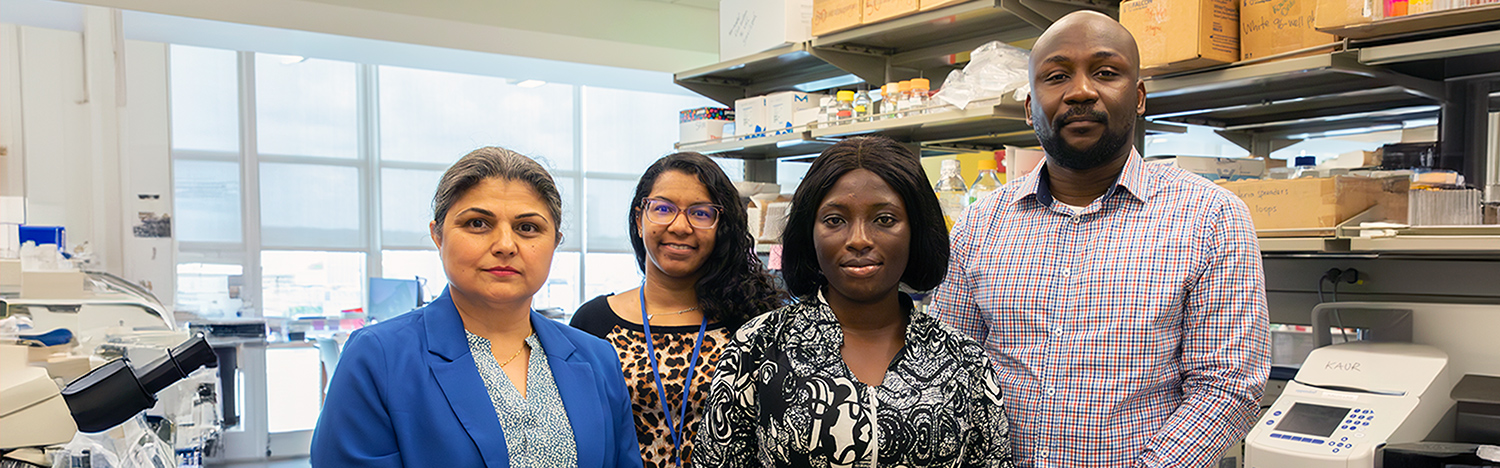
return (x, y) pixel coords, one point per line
(390, 297)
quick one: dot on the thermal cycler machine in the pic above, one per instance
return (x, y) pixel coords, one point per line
(1349, 399)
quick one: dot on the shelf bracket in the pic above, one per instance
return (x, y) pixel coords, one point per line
(872, 69)
(725, 92)
(1256, 144)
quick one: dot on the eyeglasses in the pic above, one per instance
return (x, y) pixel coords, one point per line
(701, 216)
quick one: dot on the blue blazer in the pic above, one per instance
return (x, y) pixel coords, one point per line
(407, 393)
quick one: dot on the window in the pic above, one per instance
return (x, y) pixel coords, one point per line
(422, 264)
(625, 131)
(406, 206)
(207, 194)
(607, 273)
(210, 289)
(205, 100)
(437, 117)
(305, 107)
(346, 157)
(306, 283)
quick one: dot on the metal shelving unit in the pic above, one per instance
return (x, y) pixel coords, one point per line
(1292, 99)
(1350, 238)
(987, 124)
(797, 143)
(922, 44)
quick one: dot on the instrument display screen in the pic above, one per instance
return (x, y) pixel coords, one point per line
(1314, 420)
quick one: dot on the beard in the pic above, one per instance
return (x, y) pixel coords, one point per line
(1102, 151)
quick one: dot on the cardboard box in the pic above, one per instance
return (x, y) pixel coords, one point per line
(751, 26)
(1270, 27)
(703, 124)
(1216, 168)
(750, 116)
(781, 110)
(935, 4)
(1320, 203)
(876, 11)
(830, 16)
(1344, 13)
(1473, 14)
(1176, 35)
(1355, 159)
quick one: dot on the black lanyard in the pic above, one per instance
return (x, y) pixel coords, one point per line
(675, 432)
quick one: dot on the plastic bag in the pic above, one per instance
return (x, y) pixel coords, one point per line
(129, 445)
(994, 69)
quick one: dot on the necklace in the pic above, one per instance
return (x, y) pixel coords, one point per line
(680, 312)
(514, 356)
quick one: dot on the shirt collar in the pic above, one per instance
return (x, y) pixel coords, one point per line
(1132, 178)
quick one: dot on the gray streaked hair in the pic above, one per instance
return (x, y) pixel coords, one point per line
(496, 162)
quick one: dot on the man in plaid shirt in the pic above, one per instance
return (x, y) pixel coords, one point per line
(1123, 303)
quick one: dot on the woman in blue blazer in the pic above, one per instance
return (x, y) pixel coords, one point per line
(477, 378)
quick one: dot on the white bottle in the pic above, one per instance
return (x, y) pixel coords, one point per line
(952, 195)
(1305, 166)
(988, 180)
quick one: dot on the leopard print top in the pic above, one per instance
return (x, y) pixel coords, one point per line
(674, 347)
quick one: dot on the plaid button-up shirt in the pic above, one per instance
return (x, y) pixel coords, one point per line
(1131, 333)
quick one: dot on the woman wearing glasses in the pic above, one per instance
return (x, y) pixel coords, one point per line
(702, 280)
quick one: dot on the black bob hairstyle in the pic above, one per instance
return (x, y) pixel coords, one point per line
(735, 285)
(899, 168)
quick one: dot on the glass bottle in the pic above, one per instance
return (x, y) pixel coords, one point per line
(903, 98)
(862, 106)
(890, 96)
(951, 193)
(845, 108)
(919, 94)
(987, 182)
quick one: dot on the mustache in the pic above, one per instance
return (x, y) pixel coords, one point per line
(1086, 113)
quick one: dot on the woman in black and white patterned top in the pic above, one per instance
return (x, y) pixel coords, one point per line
(852, 374)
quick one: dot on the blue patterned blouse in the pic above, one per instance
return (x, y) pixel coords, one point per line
(537, 432)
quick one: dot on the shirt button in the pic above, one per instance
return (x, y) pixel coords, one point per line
(1051, 391)
(1077, 219)
(1067, 271)
(1041, 453)
(1057, 331)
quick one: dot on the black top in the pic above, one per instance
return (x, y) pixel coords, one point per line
(784, 397)
(674, 347)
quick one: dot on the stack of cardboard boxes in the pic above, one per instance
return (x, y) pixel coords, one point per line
(1179, 35)
(747, 27)
(831, 16)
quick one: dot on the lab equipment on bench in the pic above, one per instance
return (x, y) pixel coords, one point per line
(115, 328)
(36, 414)
(1348, 400)
(1394, 388)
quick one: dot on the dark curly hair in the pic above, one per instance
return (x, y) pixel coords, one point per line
(735, 285)
(899, 168)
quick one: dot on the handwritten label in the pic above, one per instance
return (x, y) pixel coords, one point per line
(743, 24)
(826, 14)
(1342, 366)
(1262, 193)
